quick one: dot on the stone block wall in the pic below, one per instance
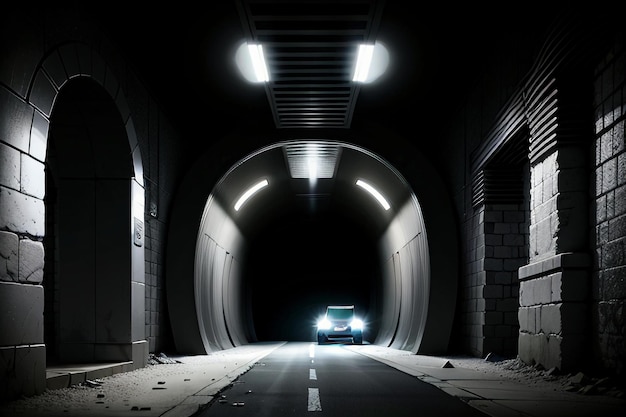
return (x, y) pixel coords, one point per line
(553, 314)
(608, 287)
(506, 249)
(495, 247)
(572, 288)
(157, 324)
(471, 316)
(553, 311)
(543, 204)
(37, 61)
(22, 351)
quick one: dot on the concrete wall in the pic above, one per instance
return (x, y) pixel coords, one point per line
(218, 291)
(406, 278)
(38, 61)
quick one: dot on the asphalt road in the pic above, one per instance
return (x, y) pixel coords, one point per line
(303, 378)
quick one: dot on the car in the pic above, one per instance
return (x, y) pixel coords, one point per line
(340, 324)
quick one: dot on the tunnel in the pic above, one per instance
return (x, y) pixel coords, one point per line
(310, 237)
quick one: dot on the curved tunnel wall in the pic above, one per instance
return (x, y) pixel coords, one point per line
(405, 274)
(406, 280)
(217, 281)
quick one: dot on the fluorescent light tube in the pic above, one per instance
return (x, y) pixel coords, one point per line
(258, 62)
(363, 62)
(374, 192)
(249, 193)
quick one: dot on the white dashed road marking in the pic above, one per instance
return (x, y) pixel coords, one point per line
(314, 393)
(314, 400)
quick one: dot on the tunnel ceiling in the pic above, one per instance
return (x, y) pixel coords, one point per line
(310, 49)
(291, 192)
(185, 54)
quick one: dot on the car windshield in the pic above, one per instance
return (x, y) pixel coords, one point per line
(340, 313)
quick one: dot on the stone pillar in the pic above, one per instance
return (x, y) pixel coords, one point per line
(22, 349)
(553, 311)
(553, 314)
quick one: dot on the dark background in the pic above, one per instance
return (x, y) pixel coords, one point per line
(298, 266)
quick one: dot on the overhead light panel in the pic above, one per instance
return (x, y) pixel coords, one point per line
(312, 160)
(363, 62)
(258, 62)
(372, 62)
(373, 191)
(249, 193)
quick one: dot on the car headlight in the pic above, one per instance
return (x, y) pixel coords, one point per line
(357, 324)
(324, 324)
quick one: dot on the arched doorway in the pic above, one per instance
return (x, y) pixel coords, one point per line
(89, 231)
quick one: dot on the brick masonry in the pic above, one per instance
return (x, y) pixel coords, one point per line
(608, 288)
(571, 287)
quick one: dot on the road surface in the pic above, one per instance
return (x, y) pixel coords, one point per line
(302, 378)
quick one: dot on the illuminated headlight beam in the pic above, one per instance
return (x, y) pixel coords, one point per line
(249, 193)
(378, 196)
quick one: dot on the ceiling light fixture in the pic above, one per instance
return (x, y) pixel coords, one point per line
(373, 191)
(249, 193)
(363, 62)
(258, 62)
(313, 160)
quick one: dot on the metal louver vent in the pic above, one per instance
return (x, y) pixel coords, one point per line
(312, 160)
(501, 178)
(310, 48)
(498, 186)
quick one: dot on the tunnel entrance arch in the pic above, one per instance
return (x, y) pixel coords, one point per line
(91, 203)
(220, 310)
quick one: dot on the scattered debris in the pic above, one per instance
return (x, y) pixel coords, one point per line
(92, 384)
(578, 382)
(552, 371)
(493, 357)
(135, 408)
(579, 379)
(161, 358)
